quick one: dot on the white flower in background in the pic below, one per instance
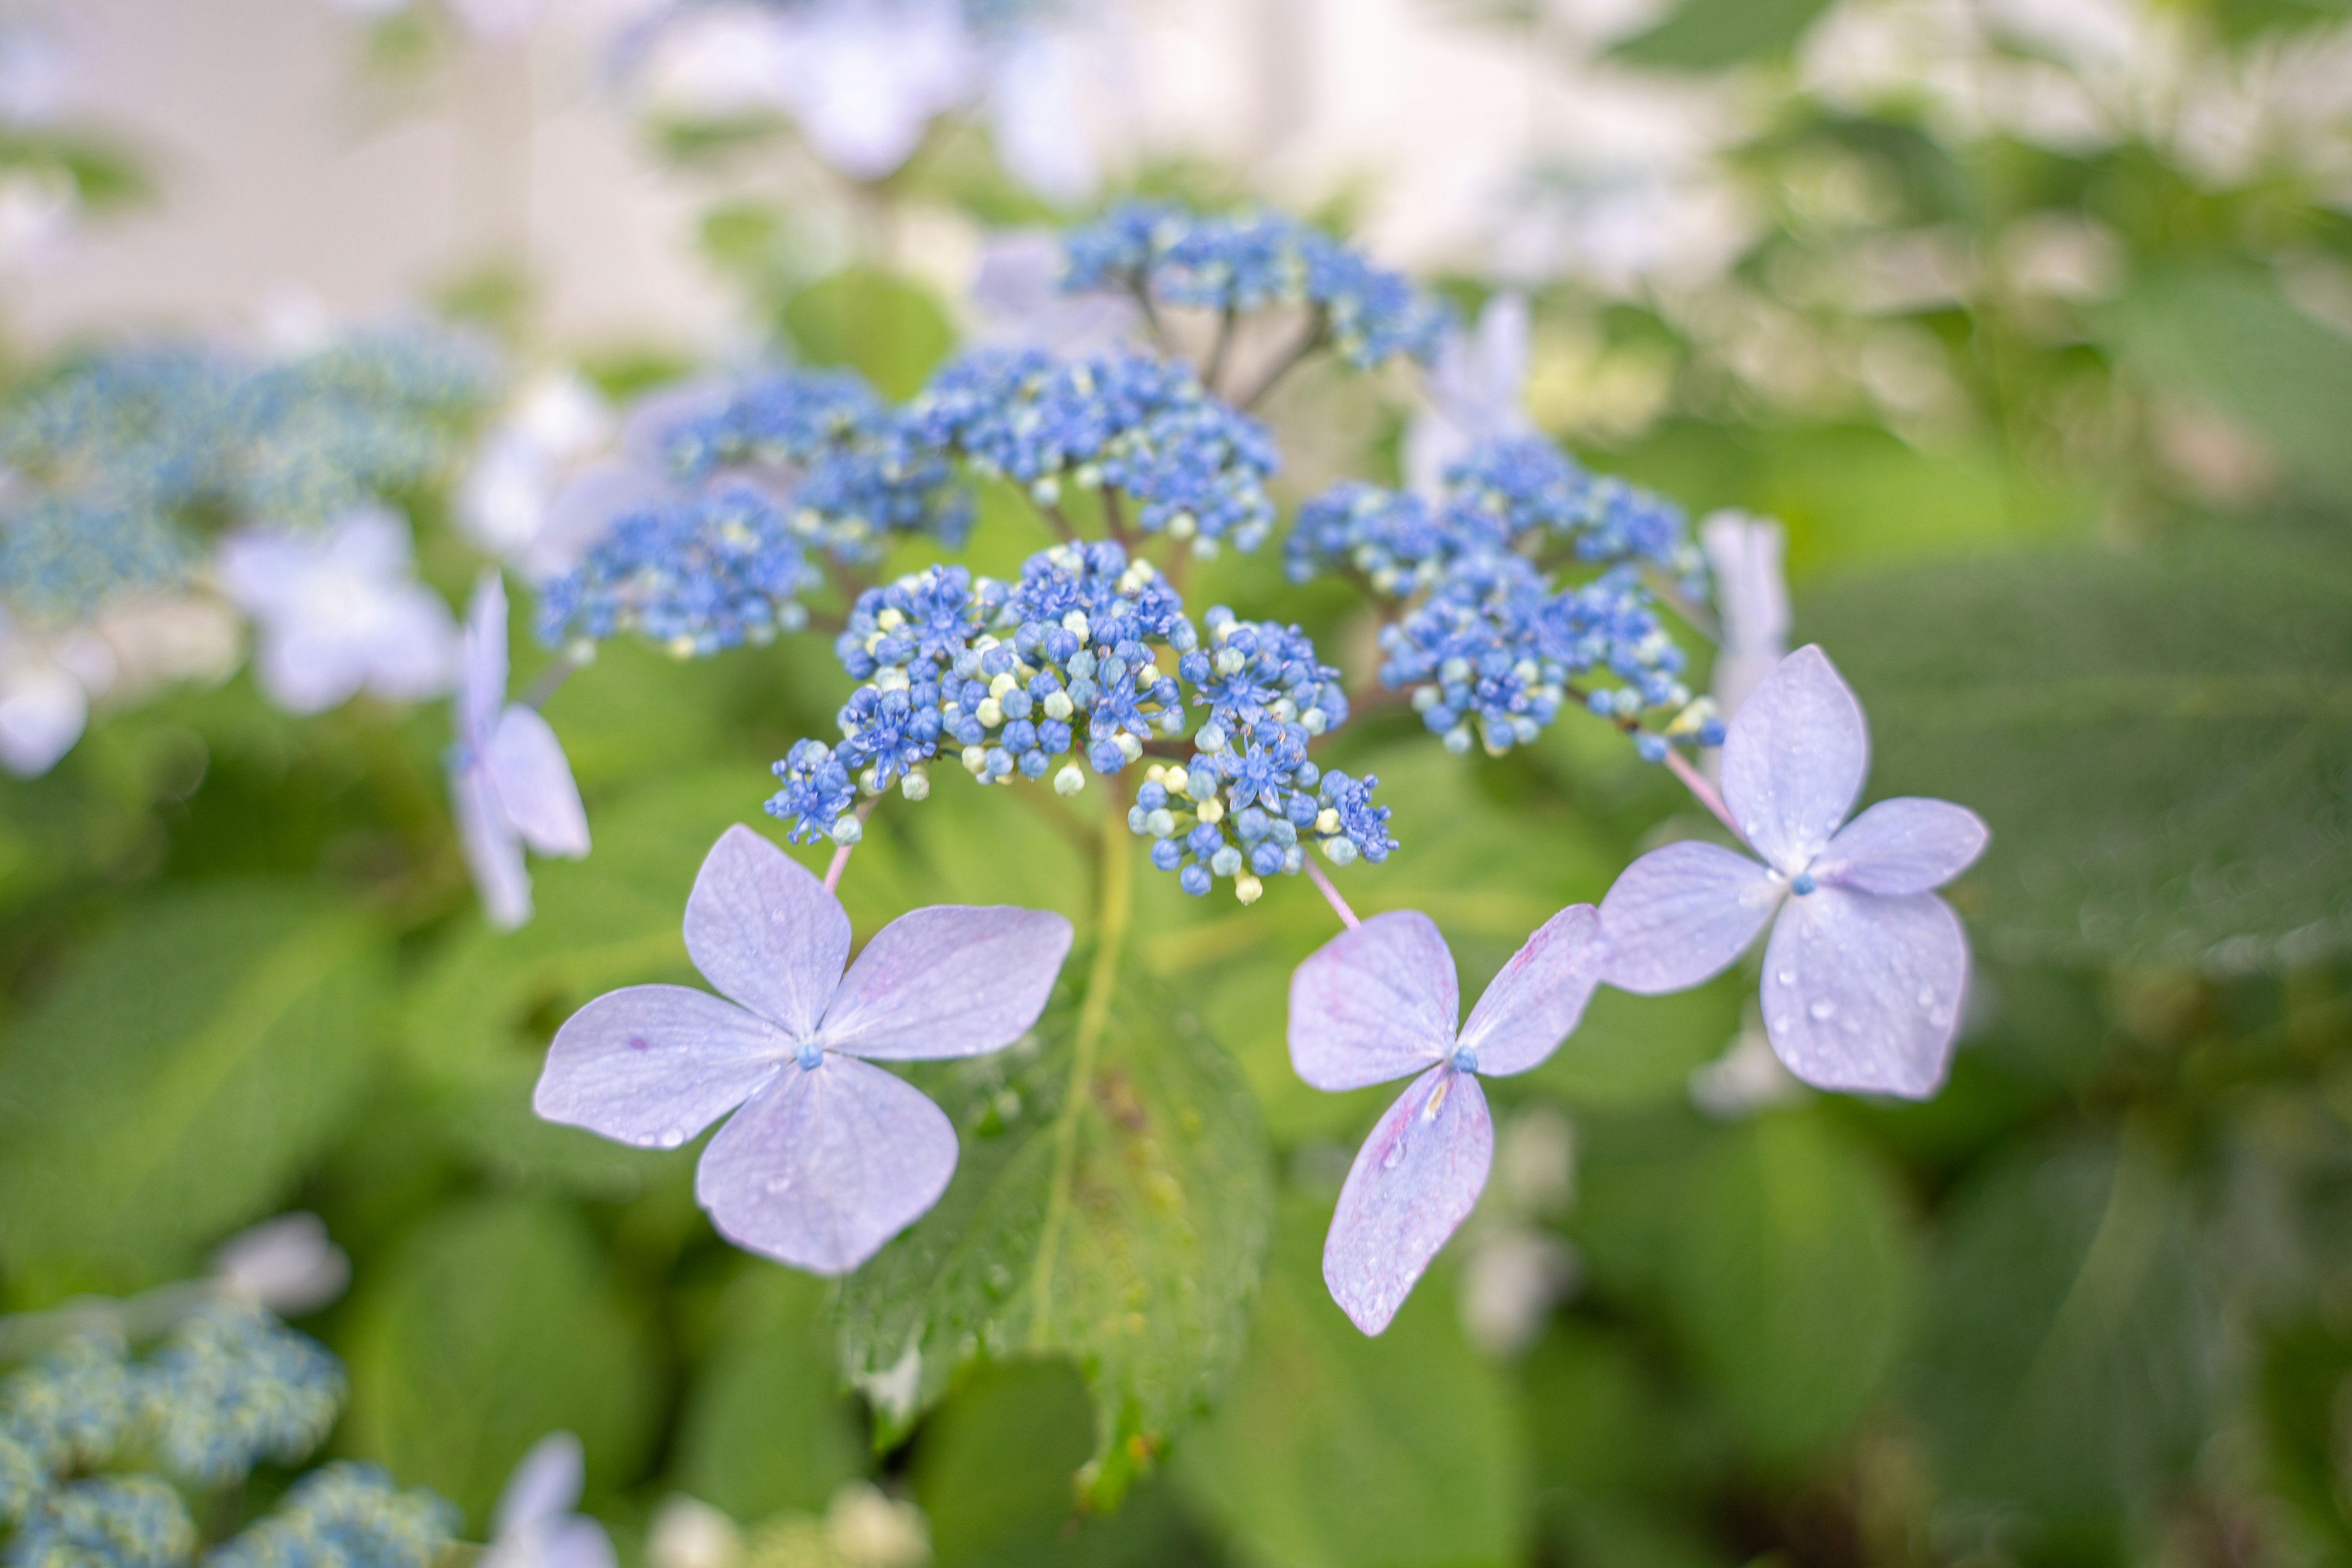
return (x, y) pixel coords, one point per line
(340, 611)
(1476, 392)
(536, 1525)
(37, 70)
(50, 679)
(287, 1264)
(687, 1533)
(1035, 91)
(866, 1528)
(43, 705)
(1751, 597)
(1517, 1267)
(1016, 293)
(557, 423)
(1747, 1079)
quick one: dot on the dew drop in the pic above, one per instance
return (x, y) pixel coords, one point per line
(1927, 996)
(671, 1137)
(1786, 976)
(1396, 1151)
(1821, 1009)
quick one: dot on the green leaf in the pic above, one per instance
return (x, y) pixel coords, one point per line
(1111, 1203)
(1338, 1451)
(175, 1083)
(2161, 741)
(889, 329)
(1708, 35)
(992, 1469)
(492, 1324)
(2227, 335)
(766, 1427)
(1632, 1051)
(2070, 1361)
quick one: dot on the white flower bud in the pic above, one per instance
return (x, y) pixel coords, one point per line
(1069, 781)
(915, 786)
(1248, 888)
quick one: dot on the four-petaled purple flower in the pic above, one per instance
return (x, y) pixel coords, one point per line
(508, 774)
(1865, 970)
(830, 1156)
(1379, 1002)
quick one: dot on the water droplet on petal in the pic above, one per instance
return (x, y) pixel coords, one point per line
(1927, 996)
(1396, 1151)
(1786, 977)
(1821, 1009)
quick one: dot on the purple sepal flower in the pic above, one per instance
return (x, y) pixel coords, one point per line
(1379, 1002)
(829, 1156)
(1866, 968)
(507, 775)
(536, 1525)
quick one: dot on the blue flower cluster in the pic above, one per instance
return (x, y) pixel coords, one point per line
(1024, 678)
(712, 570)
(344, 1516)
(1248, 262)
(105, 1521)
(117, 462)
(1125, 423)
(854, 468)
(1490, 644)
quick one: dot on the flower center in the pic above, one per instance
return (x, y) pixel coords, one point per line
(1464, 1059)
(1801, 883)
(809, 1056)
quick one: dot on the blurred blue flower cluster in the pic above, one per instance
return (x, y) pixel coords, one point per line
(1248, 262)
(344, 1516)
(120, 462)
(1490, 642)
(1124, 422)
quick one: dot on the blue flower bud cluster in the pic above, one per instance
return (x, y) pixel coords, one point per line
(697, 574)
(118, 462)
(1249, 261)
(853, 467)
(105, 1521)
(344, 1516)
(1126, 422)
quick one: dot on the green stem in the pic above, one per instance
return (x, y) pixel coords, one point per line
(1094, 1014)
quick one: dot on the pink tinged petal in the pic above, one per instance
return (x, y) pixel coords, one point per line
(766, 931)
(949, 981)
(826, 1164)
(493, 854)
(534, 784)
(1414, 1180)
(1681, 914)
(1864, 992)
(546, 1484)
(1905, 845)
(1373, 1004)
(1794, 760)
(482, 679)
(654, 1065)
(1540, 995)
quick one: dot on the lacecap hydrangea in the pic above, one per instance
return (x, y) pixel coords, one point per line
(1034, 678)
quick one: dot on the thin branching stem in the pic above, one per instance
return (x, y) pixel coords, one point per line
(1331, 895)
(1309, 342)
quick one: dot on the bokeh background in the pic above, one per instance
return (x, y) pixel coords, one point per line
(2032, 320)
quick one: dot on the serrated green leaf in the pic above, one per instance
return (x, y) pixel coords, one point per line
(2161, 741)
(889, 329)
(1339, 1450)
(766, 1426)
(2069, 1363)
(491, 1325)
(1708, 35)
(1110, 1205)
(173, 1085)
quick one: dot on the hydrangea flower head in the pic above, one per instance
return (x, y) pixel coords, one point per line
(828, 1155)
(232, 1387)
(340, 612)
(343, 1516)
(536, 1525)
(1381, 1002)
(1866, 969)
(111, 1522)
(696, 574)
(508, 774)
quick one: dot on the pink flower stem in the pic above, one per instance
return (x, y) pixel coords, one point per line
(559, 669)
(1695, 781)
(840, 861)
(1331, 895)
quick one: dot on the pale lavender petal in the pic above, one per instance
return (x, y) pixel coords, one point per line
(949, 981)
(1540, 995)
(1501, 361)
(654, 1065)
(544, 1485)
(263, 570)
(413, 648)
(493, 854)
(527, 764)
(308, 667)
(370, 542)
(1040, 134)
(1864, 992)
(42, 713)
(765, 931)
(482, 679)
(1681, 914)
(1903, 845)
(1794, 760)
(1751, 597)
(579, 1542)
(1373, 1004)
(1414, 1180)
(826, 1164)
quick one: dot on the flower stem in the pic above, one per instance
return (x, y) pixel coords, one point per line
(1307, 344)
(840, 861)
(1331, 895)
(558, 672)
(1117, 901)
(1695, 781)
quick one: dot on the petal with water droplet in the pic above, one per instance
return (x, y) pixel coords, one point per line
(766, 931)
(1904, 846)
(1538, 995)
(1862, 964)
(1794, 759)
(1681, 914)
(825, 1166)
(1416, 1180)
(1373, 1004)
(654, 1065)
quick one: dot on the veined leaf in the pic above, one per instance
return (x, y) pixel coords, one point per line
(1110, 1205)
(173, 1085)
